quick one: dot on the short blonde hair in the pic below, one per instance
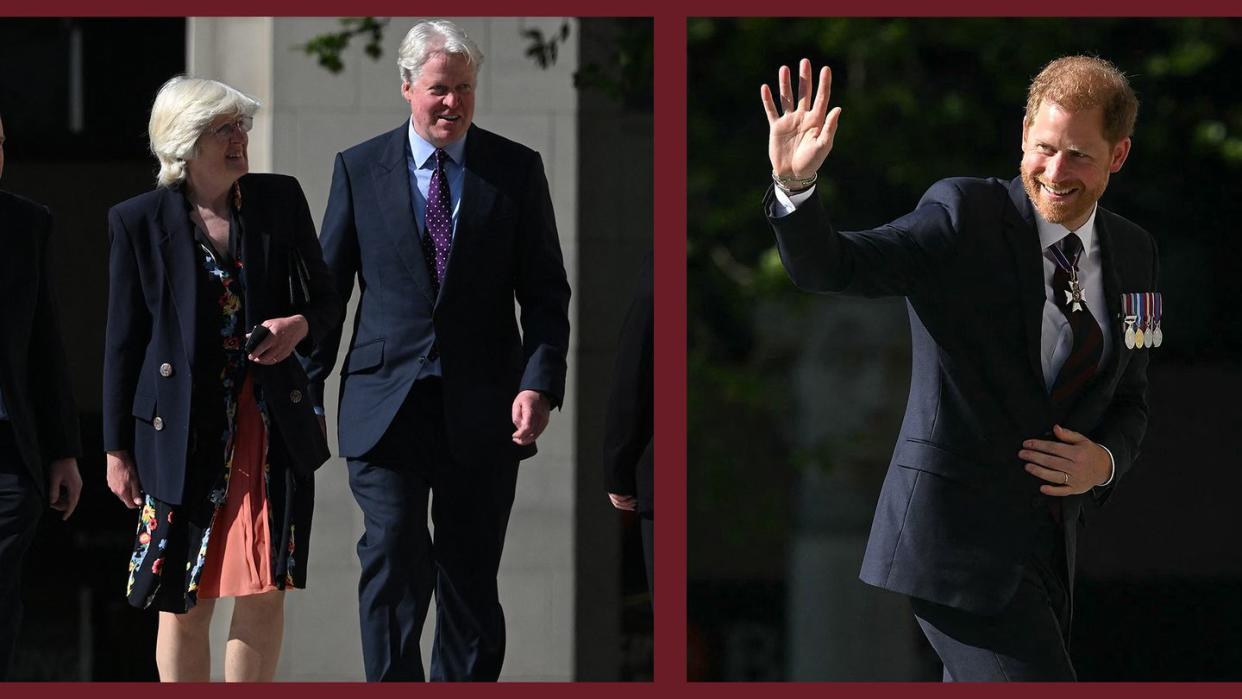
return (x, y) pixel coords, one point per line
(436, 36)
(1077, 83)
(183, 109)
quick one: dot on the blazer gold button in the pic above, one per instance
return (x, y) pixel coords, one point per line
(295, 396)
(158, 423)
(166, 370)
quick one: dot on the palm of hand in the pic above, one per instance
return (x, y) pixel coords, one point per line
(794, 143)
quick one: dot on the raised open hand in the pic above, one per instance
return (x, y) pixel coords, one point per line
(800, 139)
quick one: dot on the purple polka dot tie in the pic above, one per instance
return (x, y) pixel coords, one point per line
(439, 220)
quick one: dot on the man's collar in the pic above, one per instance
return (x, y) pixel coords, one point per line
(422, 150)
(1052, 233)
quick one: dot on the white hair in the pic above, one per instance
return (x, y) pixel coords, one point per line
(436, 36)
(183, 109)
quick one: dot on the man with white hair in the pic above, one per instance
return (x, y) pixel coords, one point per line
(444, 224)
(39, 441)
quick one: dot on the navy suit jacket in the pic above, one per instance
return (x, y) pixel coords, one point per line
(152, 279)
(956, 515)
(505, 246)
(33, 372)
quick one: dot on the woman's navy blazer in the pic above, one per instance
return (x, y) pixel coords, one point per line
(149, 348)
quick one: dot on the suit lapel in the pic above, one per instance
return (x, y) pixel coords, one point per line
(478, 196)
(1020, 231)
(392, 186)
(176, 246)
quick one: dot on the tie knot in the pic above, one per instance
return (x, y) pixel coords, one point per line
(1071, 245)
(440, 157)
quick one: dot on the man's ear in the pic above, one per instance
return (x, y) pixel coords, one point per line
(1121, 151)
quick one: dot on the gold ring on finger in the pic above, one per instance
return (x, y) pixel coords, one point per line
(1066, 475)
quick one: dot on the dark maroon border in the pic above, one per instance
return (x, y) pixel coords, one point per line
(670, 390)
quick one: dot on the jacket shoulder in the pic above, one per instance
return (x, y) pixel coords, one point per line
(19, 208)
(500, 147)
(967, 189)
(269, 183)
(370, 149)
(138, 206)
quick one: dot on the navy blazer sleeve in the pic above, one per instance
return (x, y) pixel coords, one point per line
(55, 413)
(339, 240)
(542, 290)
(896, 259)
(126, 336)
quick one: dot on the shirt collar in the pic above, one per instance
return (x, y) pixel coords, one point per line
(1051, 233)
(422, 150)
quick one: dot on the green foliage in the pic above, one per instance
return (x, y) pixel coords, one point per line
(544, 50)
(327, 48)
(628, 77)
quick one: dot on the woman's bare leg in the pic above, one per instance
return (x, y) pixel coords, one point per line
(254, 637)
(182, 650)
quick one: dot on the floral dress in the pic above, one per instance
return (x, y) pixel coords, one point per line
(172, 546)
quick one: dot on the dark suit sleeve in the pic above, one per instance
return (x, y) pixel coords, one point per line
(126, 337)
(542, 290)
(55, 412)
(628, 430)
(326, 311)
(339, 241)
(1122, 428)
(898, 259)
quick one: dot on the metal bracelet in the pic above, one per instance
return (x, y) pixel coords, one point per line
(793, 185)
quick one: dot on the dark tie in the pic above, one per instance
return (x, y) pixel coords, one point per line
(1084, 357)
(439, 220)
(439, 238)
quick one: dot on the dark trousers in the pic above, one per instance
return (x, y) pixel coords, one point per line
(1027, 642)
(20, 507)
(402, 564)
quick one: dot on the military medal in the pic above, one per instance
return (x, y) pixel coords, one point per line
(1130, 320)
(1138, 308)
(1156, 335)
(1073, 297)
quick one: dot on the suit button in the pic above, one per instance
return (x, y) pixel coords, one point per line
(166, 370)
(295, 396)
(158, 423)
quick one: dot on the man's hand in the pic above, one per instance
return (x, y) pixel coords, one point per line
(800, 139)
(123, 479)
(63, 476)
(530, 416)
(623, 502)
(286, 334)
(1072, 465)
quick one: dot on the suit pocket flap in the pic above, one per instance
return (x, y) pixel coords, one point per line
(925, 456)
(144, 406)
(364, 357)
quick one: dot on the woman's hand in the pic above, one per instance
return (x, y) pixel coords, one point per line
(123, 479)
(286, 334)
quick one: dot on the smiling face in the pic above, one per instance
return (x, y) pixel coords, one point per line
(442, 99)
(1066, 161)
(221, 156)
